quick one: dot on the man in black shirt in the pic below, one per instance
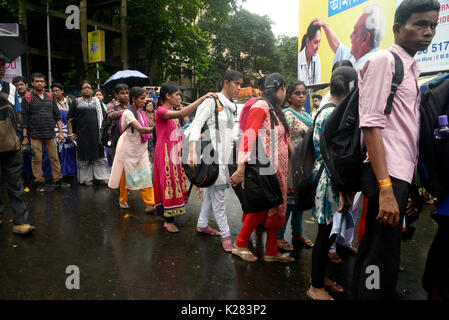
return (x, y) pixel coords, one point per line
(39, 114)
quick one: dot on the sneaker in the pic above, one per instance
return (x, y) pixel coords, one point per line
(61, 184)
(23, 229)
(40, 186)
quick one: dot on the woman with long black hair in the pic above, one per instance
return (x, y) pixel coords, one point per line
(327, 200)
(131, 168)
(299, 122)
(259, 125)
(170, 180)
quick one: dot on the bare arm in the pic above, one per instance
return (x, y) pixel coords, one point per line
(70, 130)
(189, 109)
(136, 125)
(388, 206)
(331, 36)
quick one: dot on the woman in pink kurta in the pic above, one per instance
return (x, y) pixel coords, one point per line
(169, 179)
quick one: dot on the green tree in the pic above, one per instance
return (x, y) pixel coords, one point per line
(171, 35)
(287, 50)
(242, 41)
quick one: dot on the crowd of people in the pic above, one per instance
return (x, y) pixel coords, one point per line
(145, 152)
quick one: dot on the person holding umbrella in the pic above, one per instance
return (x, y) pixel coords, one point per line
(85, 117)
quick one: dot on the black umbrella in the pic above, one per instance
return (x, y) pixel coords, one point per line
(11, 47)
(132, 78)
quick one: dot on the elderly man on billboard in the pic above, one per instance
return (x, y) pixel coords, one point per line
(365, 39)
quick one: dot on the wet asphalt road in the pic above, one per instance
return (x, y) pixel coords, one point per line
(128, 255)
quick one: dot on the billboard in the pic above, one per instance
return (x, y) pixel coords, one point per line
(14, 68)
(335, 32)
(96, 46)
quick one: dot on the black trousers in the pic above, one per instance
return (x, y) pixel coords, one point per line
(319, 254)
(11, 176)
(380, 248)
(436, 275)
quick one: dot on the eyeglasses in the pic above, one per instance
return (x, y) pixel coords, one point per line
(83, 88)
(300, 93)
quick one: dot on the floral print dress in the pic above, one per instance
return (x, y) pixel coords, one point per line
(327, 198)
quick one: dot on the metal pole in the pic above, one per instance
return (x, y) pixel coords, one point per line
(48, 45)
(98, 71)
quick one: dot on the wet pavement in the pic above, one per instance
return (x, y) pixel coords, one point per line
(129, 255)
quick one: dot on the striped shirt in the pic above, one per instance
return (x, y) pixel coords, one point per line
(39, 116)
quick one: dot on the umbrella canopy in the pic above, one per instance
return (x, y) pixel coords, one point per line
(11, 47)
(130, 77)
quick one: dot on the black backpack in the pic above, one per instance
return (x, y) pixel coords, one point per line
(10, 130)
(433, 166)
(303, 161)
(340, 141)
(110, 133)
(205, 174)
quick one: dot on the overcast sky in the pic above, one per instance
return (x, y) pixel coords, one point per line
(284, 14)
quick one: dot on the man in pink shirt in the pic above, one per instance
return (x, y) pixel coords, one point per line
(392, 144)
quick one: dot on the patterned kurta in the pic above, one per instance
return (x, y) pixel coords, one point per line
(327, 198)
(259, 118)
(169, 179)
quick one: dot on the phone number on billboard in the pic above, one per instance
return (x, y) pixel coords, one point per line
(436, 47)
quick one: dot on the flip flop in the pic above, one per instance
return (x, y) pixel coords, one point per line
(124, 205)
(313, 297)
(303, 241)
(226, 242)
(284, 245)
(334, 258)
(279, 258)
(171, 228)
(208, 230)
(332, 286)
(244, 254)
(149, 209)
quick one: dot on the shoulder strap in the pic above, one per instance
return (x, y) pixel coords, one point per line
(4, 94)
(326, 106)
(397, 80)
(28, 97)
(217, 102)
(5, 88)
(50, 96)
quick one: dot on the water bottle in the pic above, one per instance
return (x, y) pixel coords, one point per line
(443, 131)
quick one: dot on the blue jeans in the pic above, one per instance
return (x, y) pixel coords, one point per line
(296, 221)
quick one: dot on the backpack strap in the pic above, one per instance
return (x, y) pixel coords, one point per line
(326, 106)
(4, 93)
(5, 88)
(397, 80)
(50, 96)
(130, 108)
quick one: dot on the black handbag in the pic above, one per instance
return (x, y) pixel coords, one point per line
(205, 173)
(262, 191)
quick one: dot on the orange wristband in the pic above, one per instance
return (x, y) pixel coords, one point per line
(385, 184)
